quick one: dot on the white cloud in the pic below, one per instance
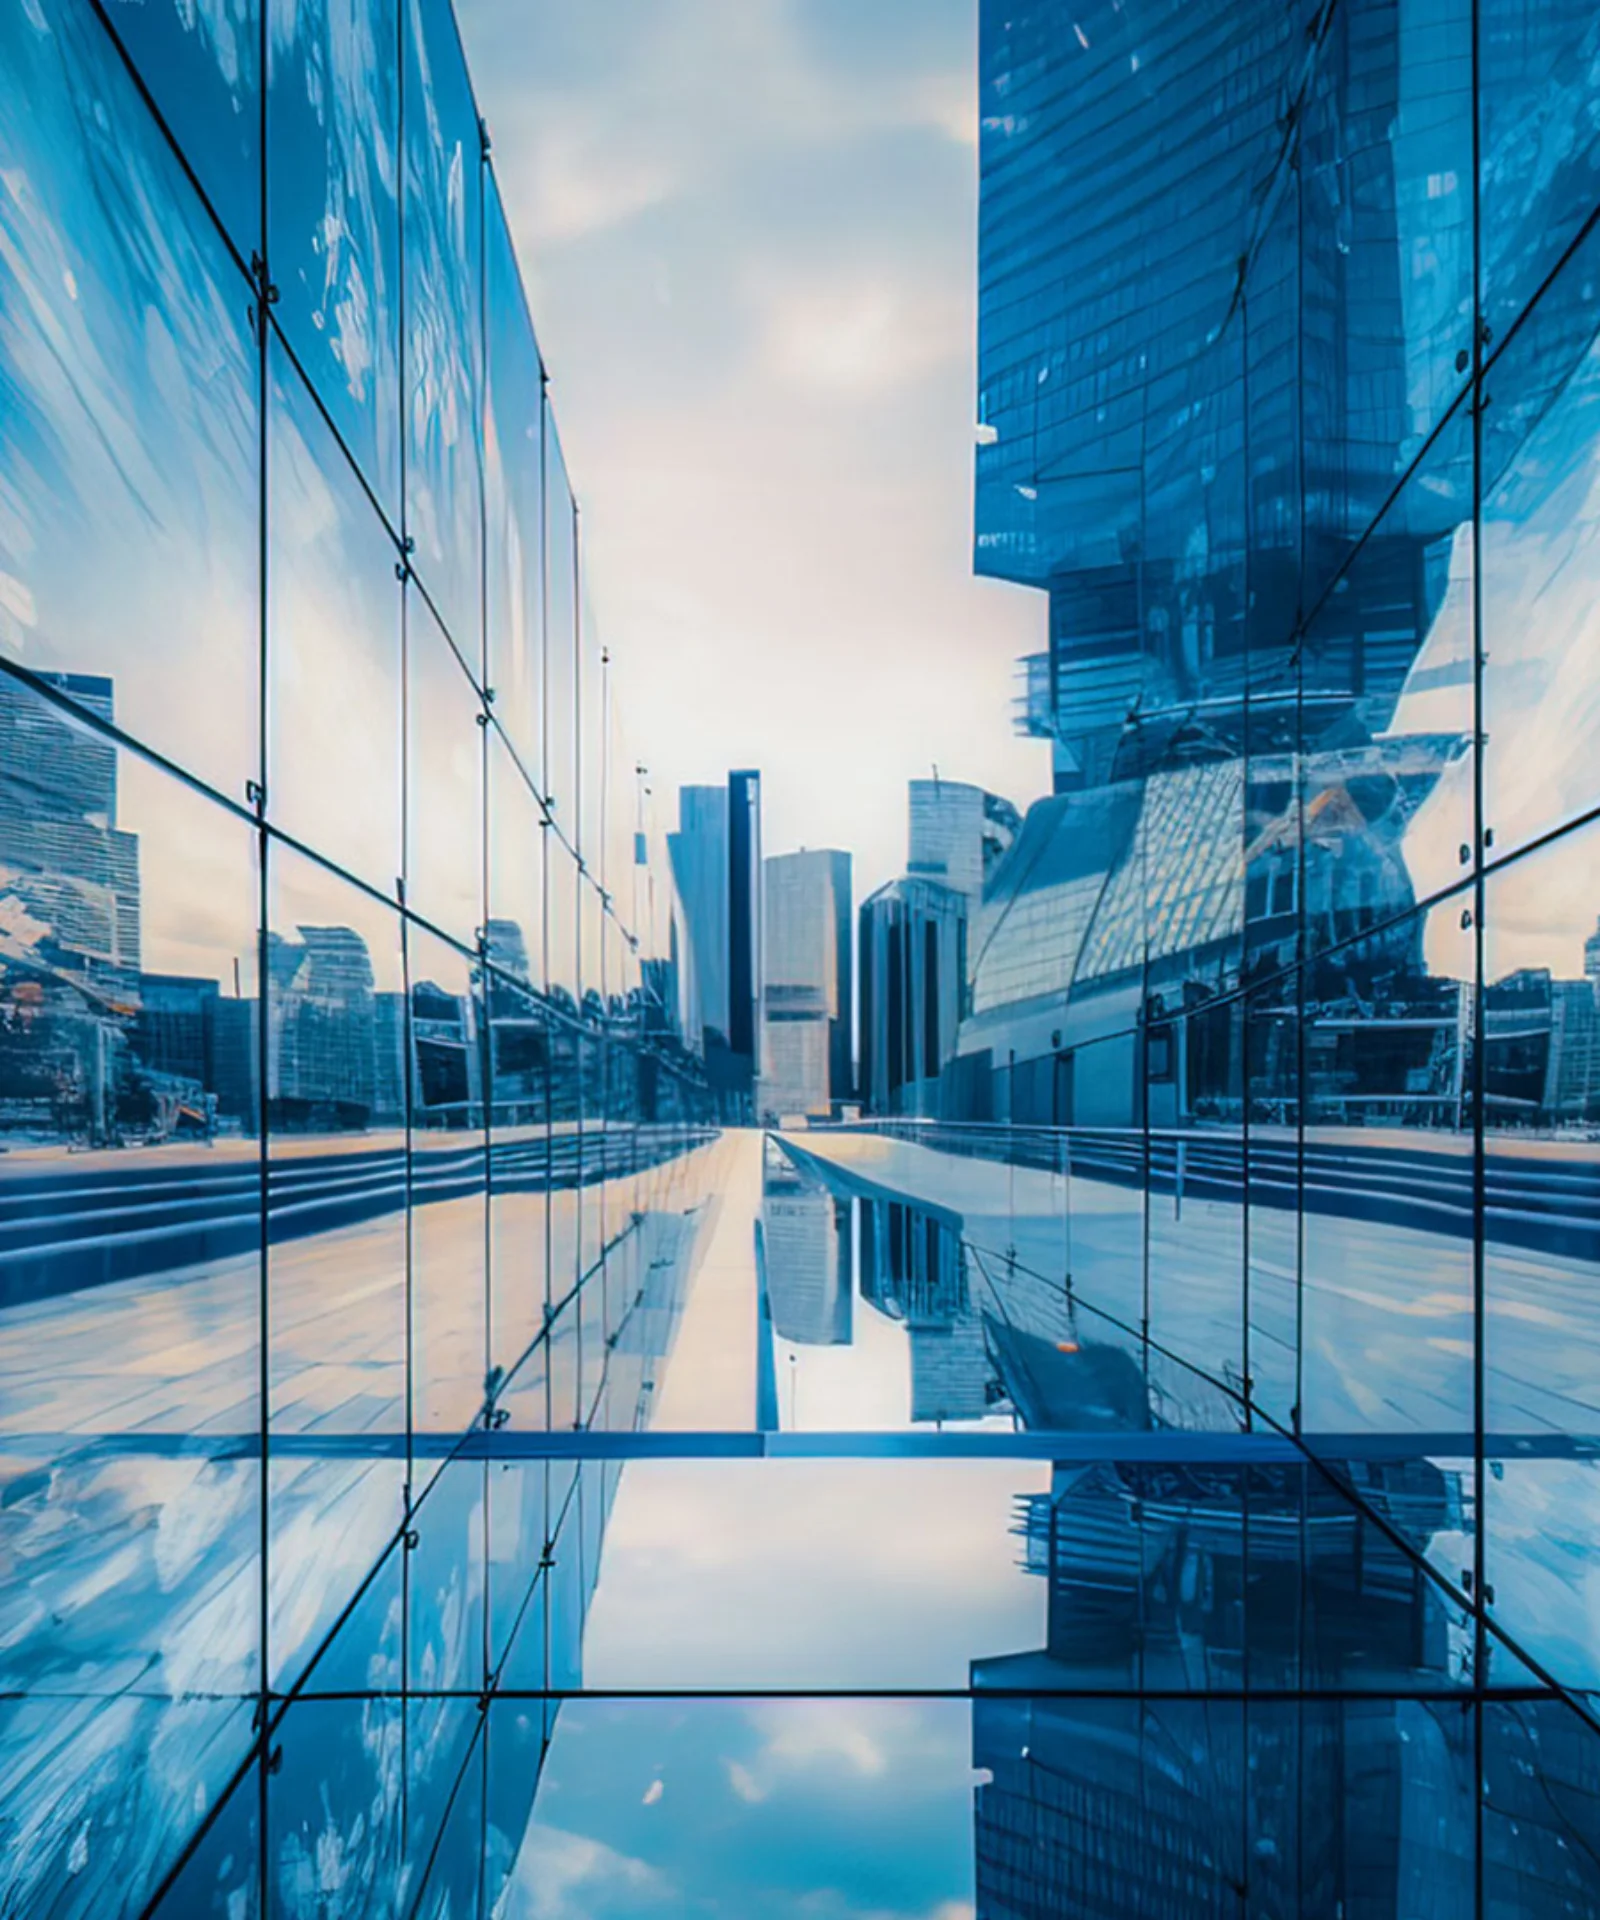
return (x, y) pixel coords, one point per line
(745, 1785)
(747, 234)
(565, 1876)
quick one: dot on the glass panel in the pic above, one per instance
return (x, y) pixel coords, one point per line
(202, 65)
(128, 449)
(336, 1100)
(561, 637)
(442, 217)
(1386, 697)
(516, 868)
(1541, 561)
(1541, 1258)
(519, 1049)
(1388, 1329)
(441, 1739)
(1386, 259)
(449, 1213)
(333, 128)
(514, 489)
(222, 1878)
(518, 1494)
(127, 1041)
(1271, 1039)
(1541, 1820)
(130, 1278)
(444, 781)
(562, 976)
(333, 648)
(450, 1871)
(335, 1802)
(1540, 157)
(447, 1620)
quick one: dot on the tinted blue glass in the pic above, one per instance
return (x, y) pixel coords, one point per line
(1385, 721)
(513, 454)
(337, 1795)
(333, 120)
(333, 647)
(1386, 257)
(561, 639)
(1388, 1336)
(336, 1272)
(130, 1303)
(202, 64)
(442, 218)
(127, 409)
(130, 1268)
(448, 1193)
(446, 1587)
(519, 1049)
(1540, 160)
(440, 1738)
(1541, 555)
(1539, 1811)
(223, 1875)
(1541, 1019)
(1270, 1024)
(444, 781)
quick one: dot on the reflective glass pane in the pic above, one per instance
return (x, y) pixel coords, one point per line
(130, 1290)
(333, 648)
(514, 494)
(442, 218)
(449, 1213)
(1541, 559)
(1271, 1040)
(444, 781)
(446, 1586)
(333, 122)
(202, 65)
(1539, 164)
(336, 1270)
(1386, 258)
(1541, 1821)
(337, 1793)
(561, 637)
(1387, 1184)
(1385, 797)
(128, 449)
(222, 1877)
(1541, 1258)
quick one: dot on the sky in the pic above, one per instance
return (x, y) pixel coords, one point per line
(748, 236)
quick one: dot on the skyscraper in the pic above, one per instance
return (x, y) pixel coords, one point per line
(698, 852)
(806, 991)
(716, 867)
(958, 833)
(913, 959)
(1193, 406)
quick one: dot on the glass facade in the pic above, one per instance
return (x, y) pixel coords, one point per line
(451, 1461)
(327, 1151)
(1278, 1063)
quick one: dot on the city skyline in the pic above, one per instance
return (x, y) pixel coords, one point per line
(799, 959)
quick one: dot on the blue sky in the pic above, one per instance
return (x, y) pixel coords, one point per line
(748, 236)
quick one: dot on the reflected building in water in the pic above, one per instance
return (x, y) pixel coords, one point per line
(1333, 1775)
(807, 1243)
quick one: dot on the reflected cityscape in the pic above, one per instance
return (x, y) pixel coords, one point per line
(565, 1351)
